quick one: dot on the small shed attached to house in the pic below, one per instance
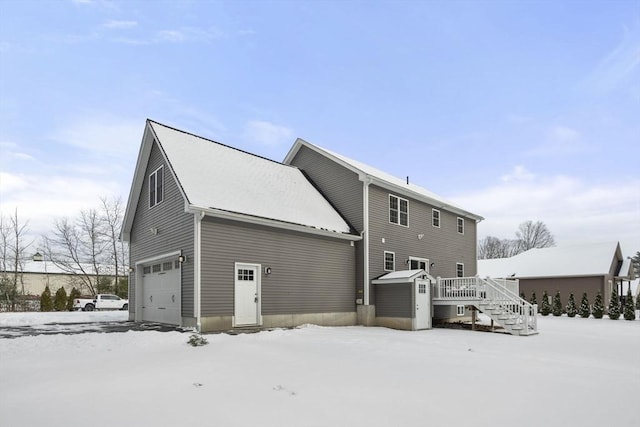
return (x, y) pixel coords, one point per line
(404, 300)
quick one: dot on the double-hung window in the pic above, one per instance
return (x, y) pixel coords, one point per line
(460, 225)
(435, 218)
(459, 269)
(156, 187)
(398, 210)
(389, 261)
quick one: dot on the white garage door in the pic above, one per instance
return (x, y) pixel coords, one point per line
(161, 292)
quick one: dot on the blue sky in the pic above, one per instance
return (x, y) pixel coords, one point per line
(515, 110)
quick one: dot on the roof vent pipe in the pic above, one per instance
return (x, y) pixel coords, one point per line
(407, 179)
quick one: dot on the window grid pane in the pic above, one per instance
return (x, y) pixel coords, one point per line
(389, 261)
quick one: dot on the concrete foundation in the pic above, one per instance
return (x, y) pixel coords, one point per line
(366, 315)
(401, 323)
(225, 323)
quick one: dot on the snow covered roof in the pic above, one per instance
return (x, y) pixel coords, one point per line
(216, 177)
(401, 276)
(49, 267)
(383, 179)
(560, 261)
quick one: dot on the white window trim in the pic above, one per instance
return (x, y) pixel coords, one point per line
(425, 260)
(458, 311)
(155, 193)
(458, 222)
(385, 260)
(433, 211)
(457, 264)
(399, 198)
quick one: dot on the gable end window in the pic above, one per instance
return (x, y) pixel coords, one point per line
(156, 187)
(459, 269)
(460, 225)
(389, 261)
(435, 218)
(398, 210)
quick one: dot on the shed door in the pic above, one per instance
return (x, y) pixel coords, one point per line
(423, 304)
(247, 294)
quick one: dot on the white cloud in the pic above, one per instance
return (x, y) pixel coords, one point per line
(563, 134)
(519, 173)
(267, 133)
(41, 198)
(560, 140)
(573, 210)
(173, 36)
(621, 65)
(102, 135)
(190, 34)
(113, 24)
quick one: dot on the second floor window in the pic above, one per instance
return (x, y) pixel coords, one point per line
(459, 269)
(398, 210)
(156, 187)
(460, 225)
(435, 218)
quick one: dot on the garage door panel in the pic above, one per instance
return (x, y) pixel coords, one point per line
(161, 292)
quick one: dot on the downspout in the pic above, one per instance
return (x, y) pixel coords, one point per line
(365, 237)
(197, 264)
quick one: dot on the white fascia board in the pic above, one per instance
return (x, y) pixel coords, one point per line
(438, 204)
(137, 182)
(217, 213)
(367, 178)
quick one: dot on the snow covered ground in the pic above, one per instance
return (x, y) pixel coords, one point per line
(576, 372)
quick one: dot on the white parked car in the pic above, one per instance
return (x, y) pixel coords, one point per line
(101, 302)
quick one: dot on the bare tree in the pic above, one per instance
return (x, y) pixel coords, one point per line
(534, 235)
(112, 216)
(492, 247)
(78, 248)
(13, 252)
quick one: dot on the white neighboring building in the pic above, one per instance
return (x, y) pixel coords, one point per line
(38, 272)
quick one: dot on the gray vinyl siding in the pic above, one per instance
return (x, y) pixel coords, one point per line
(394, 300)
(443, 246)
(338, 184)
(309, 274)
(343, 189)
(175, 230)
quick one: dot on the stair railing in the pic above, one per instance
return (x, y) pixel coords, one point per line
(512, 303)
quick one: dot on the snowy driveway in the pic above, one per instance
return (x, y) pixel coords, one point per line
(84, 327)
(15, 325)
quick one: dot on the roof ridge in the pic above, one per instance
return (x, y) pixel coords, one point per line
(219, 143)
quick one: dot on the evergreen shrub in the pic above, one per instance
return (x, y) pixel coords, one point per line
(60, 300)
(545, 309)
(572, 310)
(629, 309)
(46, 303)
(598, 307)
(614, 305)
(585, 310)
(557, 305)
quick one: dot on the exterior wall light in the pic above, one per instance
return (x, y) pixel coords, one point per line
(267, 270)
(182, 259)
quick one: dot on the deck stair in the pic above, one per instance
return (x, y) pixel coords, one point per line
(497, 298)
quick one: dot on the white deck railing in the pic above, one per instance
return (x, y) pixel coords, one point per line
(500, 293)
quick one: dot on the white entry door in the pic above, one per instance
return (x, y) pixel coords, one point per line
(247, 294)
(423, 304)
